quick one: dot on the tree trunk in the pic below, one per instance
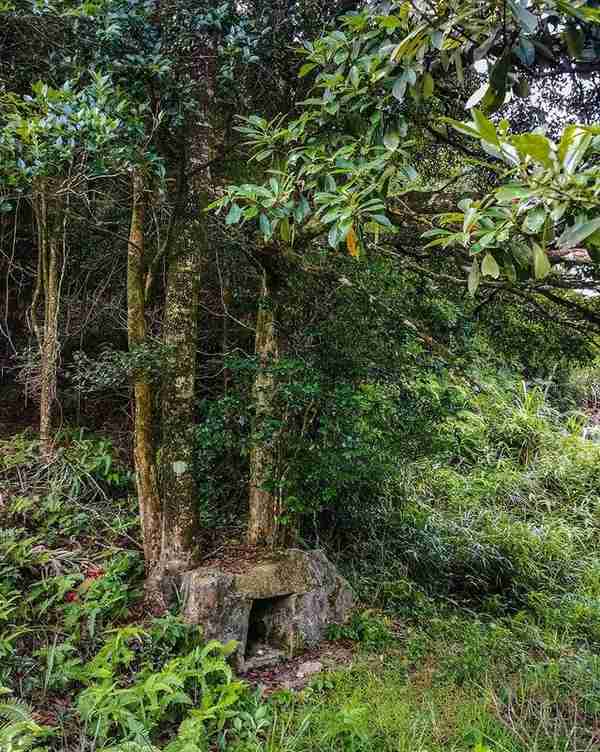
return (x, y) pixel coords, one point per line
(49, 222)
(180, 523)
(264, 523)
(143, 429)
(49, 352)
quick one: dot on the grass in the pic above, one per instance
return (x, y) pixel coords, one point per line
(480, 627)
(472, 686)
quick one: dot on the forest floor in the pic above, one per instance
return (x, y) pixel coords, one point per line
(477, 627)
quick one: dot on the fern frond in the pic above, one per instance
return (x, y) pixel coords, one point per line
(15, 711)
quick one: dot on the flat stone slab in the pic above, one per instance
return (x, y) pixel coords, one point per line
(274, 608)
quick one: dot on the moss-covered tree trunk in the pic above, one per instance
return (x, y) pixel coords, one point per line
(264, 523)
(50, 234)
(49, 350)
(143, 427)
(180, 523)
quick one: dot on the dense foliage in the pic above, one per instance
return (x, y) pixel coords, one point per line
(301, 274)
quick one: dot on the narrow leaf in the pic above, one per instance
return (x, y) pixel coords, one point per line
(428, 86)
(474, 278)
(352, 243)
(541, 264)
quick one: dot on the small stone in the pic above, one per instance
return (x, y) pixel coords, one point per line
(308, 668)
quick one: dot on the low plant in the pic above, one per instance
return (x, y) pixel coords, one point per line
(118, 706)
(18, 730)
(370, 629)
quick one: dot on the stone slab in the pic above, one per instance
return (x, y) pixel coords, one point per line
(287, 602)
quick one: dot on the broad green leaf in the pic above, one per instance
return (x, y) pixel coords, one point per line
(437, 38)
(578, 232)
(489, 266)
(485, 127)
(525, 17)
(525, 51)
(434, 233)
(487, 240)
(572, 147)
(511, 192)
(234, 215)
(382, 220)
(399, 88)
(306, 69)
(536, 146)
(510, 271)
(333, 237)
(265, 225)
(534, 220)
(593, 240)
(465, 128)
(391, 139)
(390, 22)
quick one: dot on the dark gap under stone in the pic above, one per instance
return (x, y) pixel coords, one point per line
(264, 645)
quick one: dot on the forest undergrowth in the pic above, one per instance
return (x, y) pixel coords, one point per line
(477, 628)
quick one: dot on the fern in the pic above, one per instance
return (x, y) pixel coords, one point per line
(19, 732)
(13, 710)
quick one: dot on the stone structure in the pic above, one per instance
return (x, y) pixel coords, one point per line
(273, 608)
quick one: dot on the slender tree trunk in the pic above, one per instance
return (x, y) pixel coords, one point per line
(180, 522)
(48, 215)
(49, 350)
(263, 524)
(143, 428)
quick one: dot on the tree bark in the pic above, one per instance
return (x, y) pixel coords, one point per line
(264, 524)
(49, 351)
(49, 221)
(143, 428)
(180, 522)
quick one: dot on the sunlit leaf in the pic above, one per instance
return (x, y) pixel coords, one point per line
(489, 266)
(541, 264)
(391, 139)
(352, 243)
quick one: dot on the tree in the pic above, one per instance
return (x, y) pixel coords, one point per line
(343, 167)
(54, 144)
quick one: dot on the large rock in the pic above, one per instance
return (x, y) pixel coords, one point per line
(273, 608)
